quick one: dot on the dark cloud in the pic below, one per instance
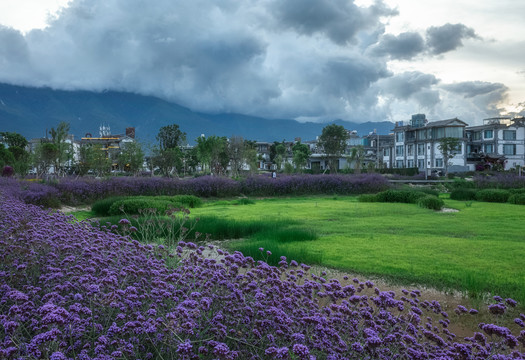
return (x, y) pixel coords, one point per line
(405, 85)
(405, 46)
(448, 37)
(339, 20)
(427, 98)
(471, 89)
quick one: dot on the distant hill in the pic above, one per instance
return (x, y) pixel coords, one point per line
(30, 111)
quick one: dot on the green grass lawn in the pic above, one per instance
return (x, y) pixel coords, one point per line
(480, 249)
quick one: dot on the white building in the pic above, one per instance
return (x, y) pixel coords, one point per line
(417, 143)
(499, 141)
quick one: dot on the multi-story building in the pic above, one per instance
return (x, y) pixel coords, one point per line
(111, 144)
(499, 142)
(417, 144)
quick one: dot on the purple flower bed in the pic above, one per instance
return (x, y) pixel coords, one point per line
(86, 190)
(314, 184)
(70, 291)
(499, 181)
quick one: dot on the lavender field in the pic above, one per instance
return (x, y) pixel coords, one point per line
(71, 291)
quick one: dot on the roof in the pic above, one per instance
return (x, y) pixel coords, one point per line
(432, 124)
(449, 122)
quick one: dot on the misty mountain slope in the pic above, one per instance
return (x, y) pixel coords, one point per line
(30, 111)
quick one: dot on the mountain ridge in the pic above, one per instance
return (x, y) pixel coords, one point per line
(31, 111)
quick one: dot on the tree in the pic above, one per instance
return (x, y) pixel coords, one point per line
(131, 158)
(212, 153)
(219, 154)
(168, 156)
(280, 152)
(63, 149)
(204, 152)
(357, 154)
(191, 160)
(86, 158)
(301, 152)
(250, 155)
(170, 137)
(236, 152)
(13, 139)
(6, 157)
(44, 156)
(17, 147)
(333, 142)
(101, 163)
(168, 161)
(449, 147)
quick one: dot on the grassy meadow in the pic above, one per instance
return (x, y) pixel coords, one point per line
(479, 249)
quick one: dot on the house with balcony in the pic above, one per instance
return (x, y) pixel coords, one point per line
(417, 142)
(497, 144)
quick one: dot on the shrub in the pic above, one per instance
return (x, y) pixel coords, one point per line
(189, 201)
(460, 183)
(8, 171)
(429, 191)
(101, 207)
(400, 196)
(517, 191)
(136, 205)
(493, 195)
(518, 199)
(430, 202)
(245, 201)
(463, 194)
(367, 198)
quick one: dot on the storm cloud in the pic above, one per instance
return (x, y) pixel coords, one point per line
(471, 89)
(304, 59)
(405, 46)
(442, 39)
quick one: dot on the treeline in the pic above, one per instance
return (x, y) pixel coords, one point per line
(170, 156)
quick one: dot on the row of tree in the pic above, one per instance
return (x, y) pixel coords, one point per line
(170, 156)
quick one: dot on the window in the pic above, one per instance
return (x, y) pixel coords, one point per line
(439, 162)
(509, 149)
(399, 150)
(421, 164)
(509, 134)
(454, 132)
(422, 134)
(489, 148)
(399, 163)
(410, 150)
(386, 152)
(410, 163)
(399, 136)
(488, 134)
(420, 149)
(476, 135)
(438, 133)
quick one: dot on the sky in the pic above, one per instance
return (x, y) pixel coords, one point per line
(310, 60)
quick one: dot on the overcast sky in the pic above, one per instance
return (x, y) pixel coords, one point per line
(357, 60)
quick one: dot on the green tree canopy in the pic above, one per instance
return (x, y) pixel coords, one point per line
(449, 147)
(14, 139)
(131, 158)
(357, 153)
(170, 137)
(333, 142)
(301, 152)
